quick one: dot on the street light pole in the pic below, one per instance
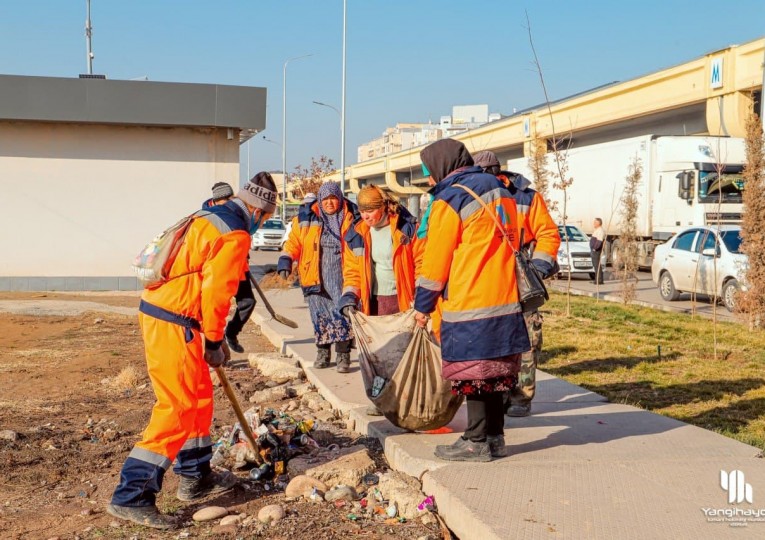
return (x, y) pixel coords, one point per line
(88, 38)
(284, 133)
(342, 114)
(330, 106)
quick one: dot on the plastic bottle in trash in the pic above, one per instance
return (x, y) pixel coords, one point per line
(263, 472)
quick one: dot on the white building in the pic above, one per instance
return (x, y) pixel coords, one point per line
(407, 136)
(93, 169)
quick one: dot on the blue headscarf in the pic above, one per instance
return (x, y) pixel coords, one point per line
(332, 222)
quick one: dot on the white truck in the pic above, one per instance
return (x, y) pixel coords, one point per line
(679, 186)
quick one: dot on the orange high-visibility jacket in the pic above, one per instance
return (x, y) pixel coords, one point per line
(467, 261)
(303, 244)
(207, 270)
(357, 262)
(535, 219)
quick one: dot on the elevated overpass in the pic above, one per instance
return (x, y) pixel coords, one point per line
(706, 96)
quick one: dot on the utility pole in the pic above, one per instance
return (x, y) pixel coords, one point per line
(342, 107)
(88, 38)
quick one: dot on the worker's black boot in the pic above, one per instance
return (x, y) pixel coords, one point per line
(234, 345)
(148, 516)
(190, 489)
(343, 362)
(464, 450)
(322, 358)
(497, 445)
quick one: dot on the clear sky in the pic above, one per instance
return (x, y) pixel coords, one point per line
(408, 60)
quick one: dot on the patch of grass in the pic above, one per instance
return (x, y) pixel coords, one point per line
(614, 350)
(127, 379)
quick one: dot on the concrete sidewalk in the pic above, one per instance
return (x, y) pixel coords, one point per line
(580, 467)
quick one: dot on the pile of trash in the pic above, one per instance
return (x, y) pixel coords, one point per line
(279, 437)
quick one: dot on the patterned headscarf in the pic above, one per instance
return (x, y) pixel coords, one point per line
(332, 222)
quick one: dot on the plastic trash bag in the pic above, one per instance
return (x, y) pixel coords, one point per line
(401, 369)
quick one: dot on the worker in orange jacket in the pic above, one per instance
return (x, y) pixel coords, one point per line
(472, 236)
(378, 261)
(173, 316)
(541, 240)
(315, 243)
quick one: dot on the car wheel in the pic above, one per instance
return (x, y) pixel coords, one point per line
(667, 288)
(255, 248)
(729, 291)
(616, 256)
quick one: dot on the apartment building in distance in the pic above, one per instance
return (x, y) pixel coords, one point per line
(405, 136)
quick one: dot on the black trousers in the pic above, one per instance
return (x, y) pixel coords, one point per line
(486, 416)
(340, 346)
(245, 304)
(596, 268)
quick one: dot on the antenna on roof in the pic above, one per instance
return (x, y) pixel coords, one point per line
(88, 37)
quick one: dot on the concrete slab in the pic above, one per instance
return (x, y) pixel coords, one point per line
(579, 467)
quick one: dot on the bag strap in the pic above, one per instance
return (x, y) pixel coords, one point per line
(486, 207)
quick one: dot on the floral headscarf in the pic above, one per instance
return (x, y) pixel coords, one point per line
(332, 222)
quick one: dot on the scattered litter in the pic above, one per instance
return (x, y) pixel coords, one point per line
(371, 479)
(428, 503)
(353, 517)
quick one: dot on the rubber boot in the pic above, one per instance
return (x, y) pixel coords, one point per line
(343, 362)
(148, 516)
(213, 482)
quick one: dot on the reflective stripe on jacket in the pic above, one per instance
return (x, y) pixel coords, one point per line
(357, 262)
(303, 244)
(207, 270)
(467, 260)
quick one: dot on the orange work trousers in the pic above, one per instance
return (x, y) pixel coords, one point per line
(179, 428)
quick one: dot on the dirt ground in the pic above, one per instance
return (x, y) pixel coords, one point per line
(77, 412)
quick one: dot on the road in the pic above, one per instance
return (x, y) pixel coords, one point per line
(647, 295)
(647, 292)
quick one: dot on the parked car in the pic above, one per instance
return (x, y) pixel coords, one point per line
(701, 260)
(287, 232)
(579, 259)
(269, 235)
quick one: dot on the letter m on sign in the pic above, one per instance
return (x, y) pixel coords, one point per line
(716, 73)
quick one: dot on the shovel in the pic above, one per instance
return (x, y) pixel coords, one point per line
(239, 414)
(279, 318)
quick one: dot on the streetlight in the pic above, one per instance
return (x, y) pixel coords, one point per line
(330, 106)
(284, 133)
(342, 115)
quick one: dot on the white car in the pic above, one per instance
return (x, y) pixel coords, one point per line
(579, 259)
(687, 261)
(269, 235)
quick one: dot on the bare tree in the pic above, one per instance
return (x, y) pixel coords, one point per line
(540, 172)
(628, 230)
(752, 302)
(309, 180)
(560, 174)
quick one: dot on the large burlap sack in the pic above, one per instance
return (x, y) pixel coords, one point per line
(401, 369)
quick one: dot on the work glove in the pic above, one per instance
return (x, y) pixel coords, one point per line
(284, 274)
(543, 267)
(215, 356)
(347, 311)
(226, 352)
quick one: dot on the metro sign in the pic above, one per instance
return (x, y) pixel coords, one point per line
(716, 73)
